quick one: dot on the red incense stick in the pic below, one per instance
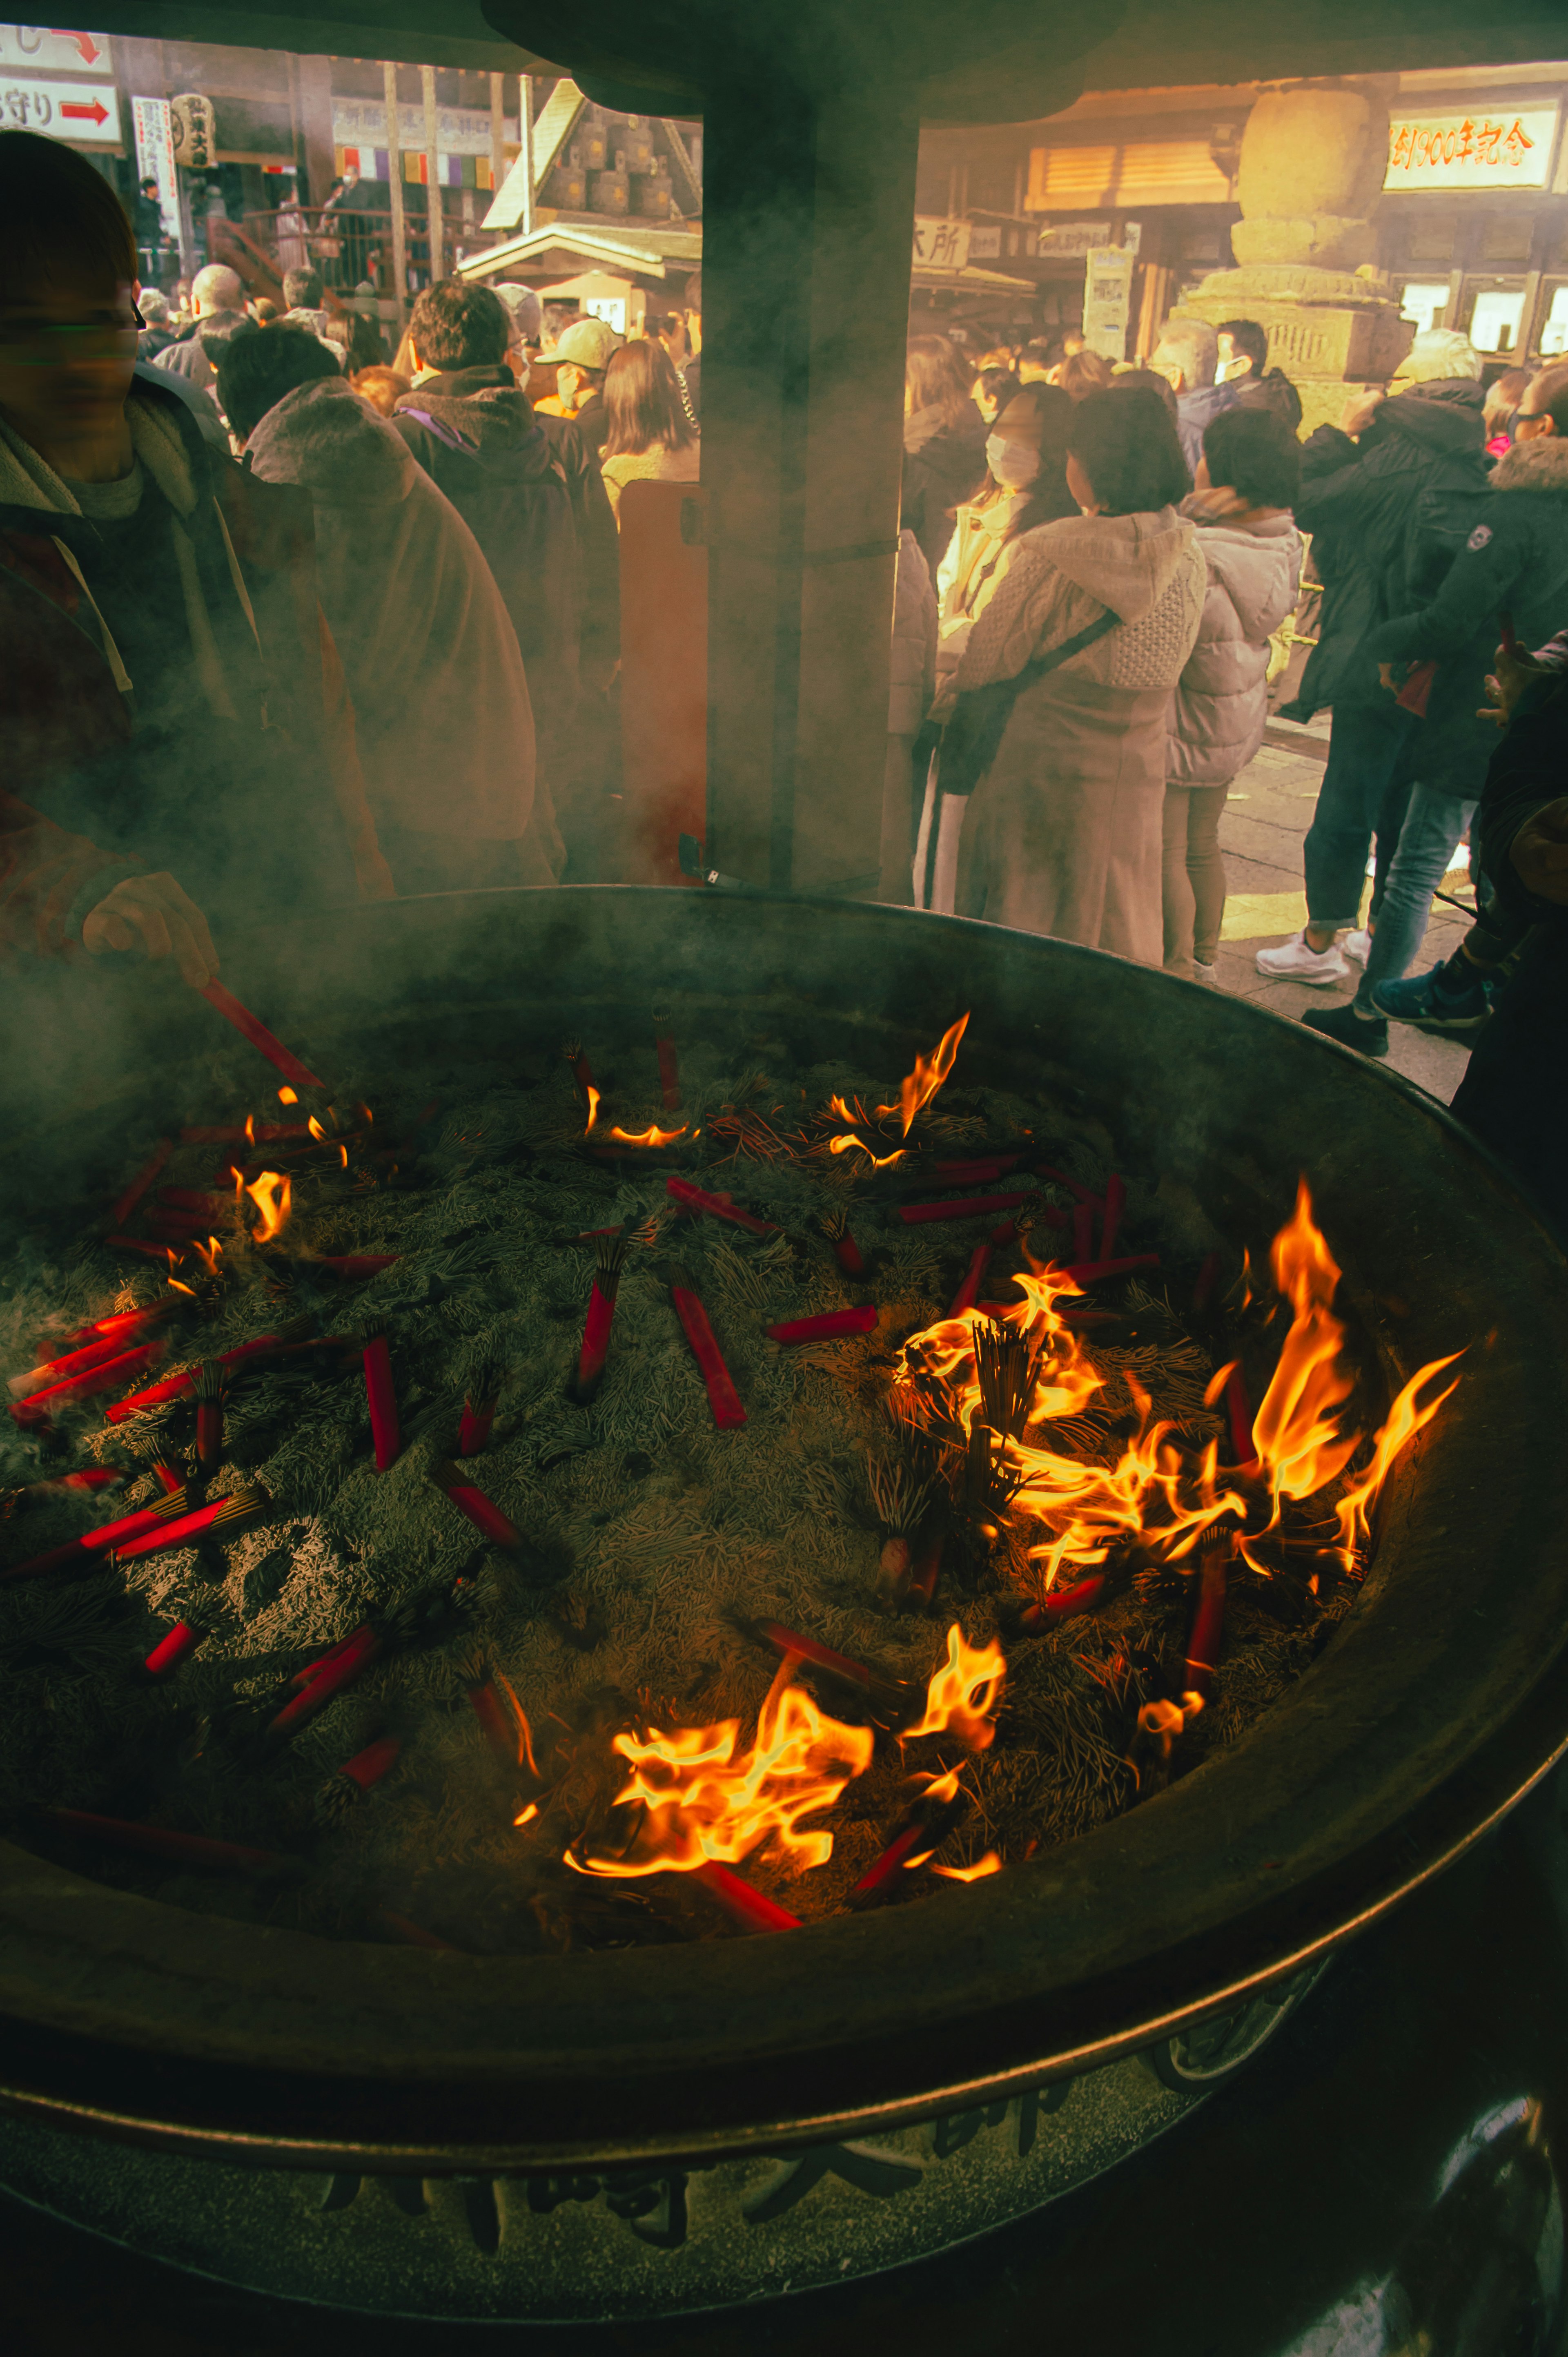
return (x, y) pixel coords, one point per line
(256, 1032)
(169, 1477)
(1115, 1204)
(976, 1207)
(1063, 1602)
(697, 1198)
(723, 1397)
(50, 1372)
(500, 1732)
(928, 1570)
(790, 1641)
(481, 1510)
(878, 1880)
(91, 1477)
(608, 1254)
(185, 1849)
(349, 1644)
(178, 1386)
(1208, 1623)
(126, 1322)
(223, 1518)
(828, 1328)
(383, 1398)
(669, 1073)
(141, 1182)
(1239, 1408)
(747, 1907)
(1207, 1277)
(967, 1292)
(376, 1761)
(111, 1375)
(846, 1252)
(182, 1640)
(103, 1540)
(339, 1669)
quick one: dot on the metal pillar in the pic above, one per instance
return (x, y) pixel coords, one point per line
(395, 182)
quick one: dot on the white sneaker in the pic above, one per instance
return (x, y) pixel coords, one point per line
(1208, 974)
(1293, 962)
(1357, 947)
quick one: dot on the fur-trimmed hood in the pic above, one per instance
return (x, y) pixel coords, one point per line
(26, 481)
(1539, 465)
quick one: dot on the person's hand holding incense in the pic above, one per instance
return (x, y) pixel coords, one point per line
(153, 914)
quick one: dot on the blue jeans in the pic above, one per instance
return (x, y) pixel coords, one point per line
(1365, 743)
(1435, 823)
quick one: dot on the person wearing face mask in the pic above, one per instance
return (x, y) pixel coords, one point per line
(1026, 485)
(1064, 692)
(582, 355)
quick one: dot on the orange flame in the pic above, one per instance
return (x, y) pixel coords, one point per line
(879, 1161)
(251, 1128)
(920, 1086)
(209, 1254)
(592, 1096)
(526, 1816)
(316, 1130)
(288, 1096)
(270, 1193)
(961, 1696)
(653, 1136)
(989, 1864)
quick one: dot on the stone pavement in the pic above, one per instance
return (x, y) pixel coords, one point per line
(1267, 815)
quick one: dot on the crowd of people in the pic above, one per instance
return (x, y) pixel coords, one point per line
(293, 614)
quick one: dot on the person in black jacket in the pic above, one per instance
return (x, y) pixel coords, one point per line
(1390, 496)
(944, 443)
(1243, 362)
(473, 432)
(1514, 1095)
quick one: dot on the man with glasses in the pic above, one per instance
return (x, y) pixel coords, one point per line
(170, 700)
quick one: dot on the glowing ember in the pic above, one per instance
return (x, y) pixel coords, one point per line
(592, 1096)
(271, 1195)
(653, 1135)
(288, 1096)
(920, 1086)
(989, 1864)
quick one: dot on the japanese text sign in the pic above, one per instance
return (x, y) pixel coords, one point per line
(1491, 147)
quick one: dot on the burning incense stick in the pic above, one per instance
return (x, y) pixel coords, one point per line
(141, 1182)
(90, 1477)
(723, 1397)
(696, 1199)
(1063, 1602)
(376, 1761)
(1239, 1408)
(1115, 1204)
(168, 1476)
(479, 1408)
(879, 1879)
(383, 1398)
(181, 1641)
(126, 1322)
(225, 1518)
(609, 1254)
(256, 1032)
(77, 1551)
(196, 1199)
(139, 1245)
(668, 1072)
(210, 1392)
(184, 1849)
(111, 1375)
(1209, 1621)
(328, 1677)
(481, 1510)
(50, 1372)
(846, 1252)
(747, 1907)
(829, 1328)
(179, 1386)
(974, 1207)
(785, 1641)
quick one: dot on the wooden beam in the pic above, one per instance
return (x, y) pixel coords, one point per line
(394, 179)
(432, 171)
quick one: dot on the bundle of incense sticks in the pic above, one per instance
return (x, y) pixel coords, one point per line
(376, 1761)
(1063, 1602)
(1209, 1621)
(179, 1386)
(379, 1391)
(697, 1198)
(609, 1253)
(50, 1372)
(747, 1907)
(108, 1375)
(211, 1389)
(251, 1028)
(723, 1397)
(181, 1641)
(224, 1518)
(973, 1207)
(668, 1072)
(481, 1510)
(828, 1328)
(479, 1408)
(846, 1252)
(102, 1542)
(326, 1678)
(183, 1849)
(123, 1323)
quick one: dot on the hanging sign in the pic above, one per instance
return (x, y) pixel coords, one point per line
(940, 244)
(1506, 148)
(1107, 300)
(153, 126)
(39, 50)
(85, 113)
(194, 124)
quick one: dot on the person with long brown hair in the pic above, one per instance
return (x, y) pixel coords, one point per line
(648, 436)
(944, 442)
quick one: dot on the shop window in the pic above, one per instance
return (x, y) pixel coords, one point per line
(1425, 301)
(1554, 327)
(1495, 322)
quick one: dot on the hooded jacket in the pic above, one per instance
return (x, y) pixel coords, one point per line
(943, 465)
(1515, 562)
(1062, 834)
(170, 694)
(1388, 516)
(912, 675)
(980, 550)
(1195, 411)
(1222, 702)
(446, 726)
(476, 436)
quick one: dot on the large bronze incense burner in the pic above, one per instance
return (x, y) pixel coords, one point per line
(1441, 1699)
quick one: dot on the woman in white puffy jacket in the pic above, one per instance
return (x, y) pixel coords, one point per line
(1248, 481)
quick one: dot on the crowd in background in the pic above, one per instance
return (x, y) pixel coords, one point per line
(290, 612)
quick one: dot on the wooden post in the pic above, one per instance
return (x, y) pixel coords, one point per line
(498, 133)
(525, 149)
(394, 179)
(432, 171)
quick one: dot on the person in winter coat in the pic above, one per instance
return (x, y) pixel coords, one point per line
(1390, 495)
(1187, 357)
(1504, 396)
(473, 431)
(218, 299)
(582, 354)
(1248, 481)
(1026, 485)
(1070, 668)
(169, 695)
(944, 443)
(1515, 563)
(1243, 362)
(446, 726)
(648, 436)
(911, 682)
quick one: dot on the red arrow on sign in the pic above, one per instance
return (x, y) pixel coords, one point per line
(97, 113)
(87, 47)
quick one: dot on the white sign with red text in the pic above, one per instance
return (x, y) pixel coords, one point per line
(1490, 147)
(41, 48)
(85, 113)
(152, 123)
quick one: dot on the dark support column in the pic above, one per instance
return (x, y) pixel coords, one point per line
(315, 127)
(808, 207)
